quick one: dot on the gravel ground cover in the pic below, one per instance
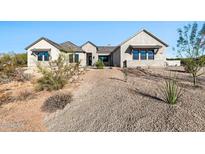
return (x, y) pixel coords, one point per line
(105, 102)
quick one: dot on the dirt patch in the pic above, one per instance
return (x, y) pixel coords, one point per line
(20, 108)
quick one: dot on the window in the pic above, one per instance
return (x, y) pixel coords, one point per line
(135, 55)
(103, 58)
(70, 58)
(43, 56)
(73, 58)
(150, 54)
(143, 54)
(40, 56)
(46, 56)
(76, 58)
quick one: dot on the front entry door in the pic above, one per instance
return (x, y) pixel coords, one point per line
(90, 60)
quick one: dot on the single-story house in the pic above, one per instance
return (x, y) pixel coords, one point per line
(142, 49)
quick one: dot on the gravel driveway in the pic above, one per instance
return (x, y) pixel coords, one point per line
(105, 102)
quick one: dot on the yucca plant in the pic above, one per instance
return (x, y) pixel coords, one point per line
(125, 73)
(171, 92)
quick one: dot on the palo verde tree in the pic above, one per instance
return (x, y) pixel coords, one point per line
(191, 46)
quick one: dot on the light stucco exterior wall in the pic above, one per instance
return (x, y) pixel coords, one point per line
(32, 59)
(54, 54)
(142, 39)
(89, 48)
(173, 62)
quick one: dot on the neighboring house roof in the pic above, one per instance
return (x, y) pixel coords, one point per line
(105, 49)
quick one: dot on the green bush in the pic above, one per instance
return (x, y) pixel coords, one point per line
(99, 64)
(9, 62)
(56, 75)
(21, 59)
(56, 102)
(10, 67)
(7, 65)
(171, 92)
(194, 67)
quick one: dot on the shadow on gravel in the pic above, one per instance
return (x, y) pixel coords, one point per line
(112, 78)
(137, 91)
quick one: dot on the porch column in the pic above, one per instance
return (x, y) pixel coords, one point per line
(139, 55)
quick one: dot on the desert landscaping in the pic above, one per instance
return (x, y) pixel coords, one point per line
(126, 88)
(104, 100)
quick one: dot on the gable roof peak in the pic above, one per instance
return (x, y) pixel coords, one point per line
(87, 43)
(147, 32)
(47, 40)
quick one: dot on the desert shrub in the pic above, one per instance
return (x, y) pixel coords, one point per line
(21, 59)
(25, 95)
(99, 64)
(56, 102)
(171, 92)
(19, 75)
(7, 65)
(56, 74)
(6, 98)
(194, 66)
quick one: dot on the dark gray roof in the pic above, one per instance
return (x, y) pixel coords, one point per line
(65, 47)
(101, 49)
(46, 39)
(105, 49)
(143, 30)
(69, 47)
(156, 38)
(90, 43)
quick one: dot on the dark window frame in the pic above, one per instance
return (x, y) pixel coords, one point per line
(150, 54)
(104, 59)
(74, 58)
(70, 58)
(41, 56)
(136, 54)
(143, 55)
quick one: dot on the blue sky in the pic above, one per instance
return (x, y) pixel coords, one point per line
(15, 36)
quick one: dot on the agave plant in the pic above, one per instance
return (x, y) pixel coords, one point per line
(171, 91)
